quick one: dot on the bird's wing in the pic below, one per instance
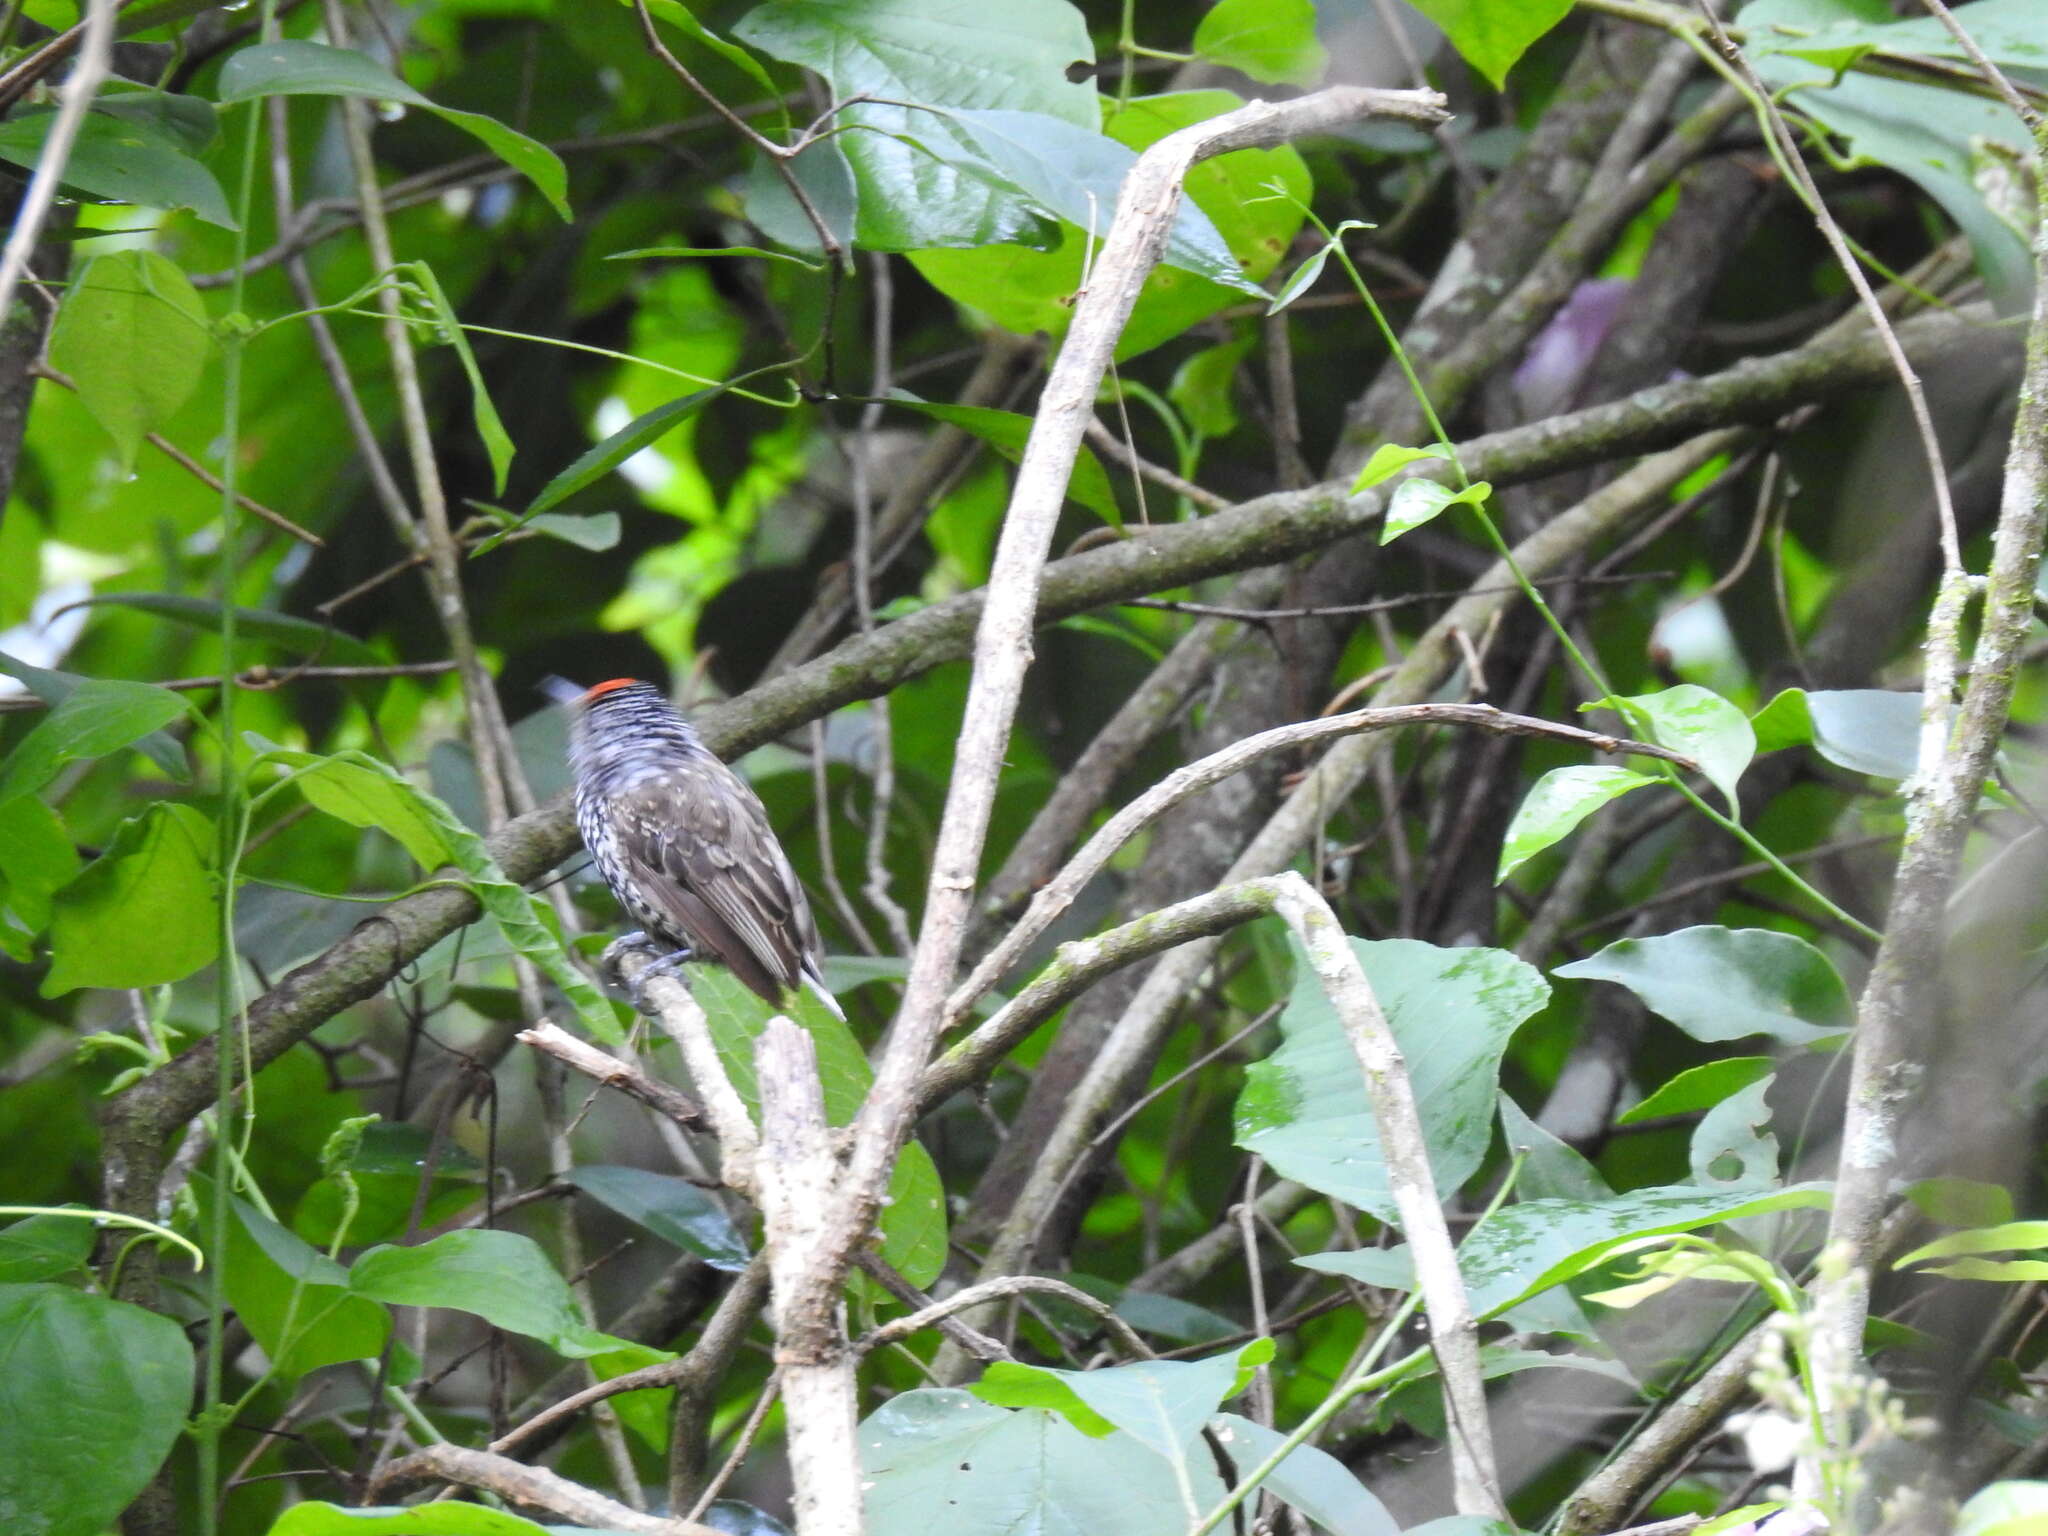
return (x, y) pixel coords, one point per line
(698, 841)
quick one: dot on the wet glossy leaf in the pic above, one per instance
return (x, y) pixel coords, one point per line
(1728, 983)
(1452, 1011)
(1556, 804)
(1866, 730)
(1417, 501)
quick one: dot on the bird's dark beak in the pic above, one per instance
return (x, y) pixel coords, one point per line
(560, 690)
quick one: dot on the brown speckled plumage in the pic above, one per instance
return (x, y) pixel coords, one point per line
(685, 844)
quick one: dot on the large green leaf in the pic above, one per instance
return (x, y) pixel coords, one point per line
(995, 1472)
(913, 1223)
(1728, 983)
(1535, 1244)
(93, 1393)
(123, 160)
(36, 859)
(294, 1300)
(133, 335)
(673, 1209)
(1492, 34)
(1556, 804)
(1271, 40)
(1866, 730)
(1701, 724)
(500, 1276)
(908, 55)
(1304, 1107)
(1311, 1479)
(1161, 1404)
(295, 68)
(53, 688)
(1253, 197)
(44, 1247)
(145, 912)
(1699, 1088)
(98, 717)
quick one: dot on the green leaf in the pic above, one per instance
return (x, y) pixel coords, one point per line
(2007, 1508)
(1007, 432)
(1491, 35)
(2006, 1236)
(911, 55)
(53, 688)
(1389, 459)
(497, 441)
(44, 1247)
(608, 455)
(1699, 1088)
(132, 333)
(1416, 502)
(146, 911)
(677, 252)
(1701, 724)
(1556, 804)
(93, 1393)
(1732, 1147)
(95, 719)
(1451, 1010)
(913, 1223)
(123, 161)
(36, 859)
(1273, 41)
(358, 789)
(500, 1276)
(1961, 1202)
(1310, 1479)
(1419, 1401)
(1535, 1244)
(1202, 385)
(316, 1519)
(1550, 1168)
(594, 531)
(294, 1300)
(673, 1209)
(1008, 1384)
(1728, 983)
(1866, 730)
(302, 637)
(187, 121)
(294, 68)
(1929, 134)
(994, 1472)
(1254, 198)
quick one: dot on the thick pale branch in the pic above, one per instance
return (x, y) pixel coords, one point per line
(533, 1486)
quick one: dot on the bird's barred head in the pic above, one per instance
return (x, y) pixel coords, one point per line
(624, 724)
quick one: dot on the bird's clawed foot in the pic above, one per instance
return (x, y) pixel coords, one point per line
(663, 964)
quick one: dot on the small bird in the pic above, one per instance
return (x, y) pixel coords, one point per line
(684, 842)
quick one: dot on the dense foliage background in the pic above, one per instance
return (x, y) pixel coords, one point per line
(390, 359)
